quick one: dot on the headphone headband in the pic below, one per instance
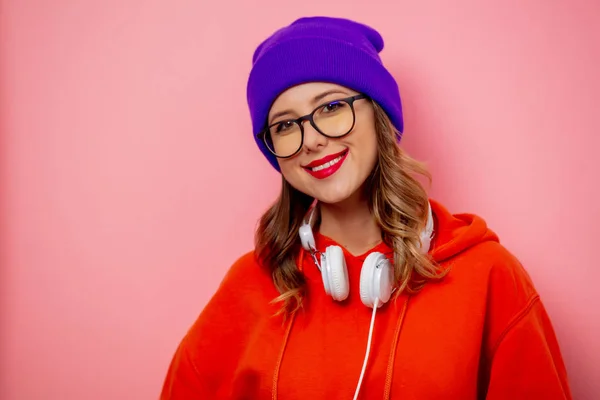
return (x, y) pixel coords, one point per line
(308, 240)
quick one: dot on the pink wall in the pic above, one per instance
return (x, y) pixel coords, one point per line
(120, 215)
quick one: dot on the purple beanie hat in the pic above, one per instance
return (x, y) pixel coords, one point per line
(320, 49)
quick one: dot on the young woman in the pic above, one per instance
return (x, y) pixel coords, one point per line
(360, 286)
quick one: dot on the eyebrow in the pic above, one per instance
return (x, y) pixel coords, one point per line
(315, 100)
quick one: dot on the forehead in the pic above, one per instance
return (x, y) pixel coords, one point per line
(308, 94)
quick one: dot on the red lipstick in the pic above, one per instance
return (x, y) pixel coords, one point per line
(322, 173)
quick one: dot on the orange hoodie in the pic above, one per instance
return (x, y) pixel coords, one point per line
(480, 333)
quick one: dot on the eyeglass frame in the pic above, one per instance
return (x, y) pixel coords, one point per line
(309, 117)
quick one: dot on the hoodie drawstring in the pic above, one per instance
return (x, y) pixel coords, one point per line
(280, 358)
(390, 367)
(285, 340)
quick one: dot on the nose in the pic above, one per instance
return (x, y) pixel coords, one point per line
(313, 140)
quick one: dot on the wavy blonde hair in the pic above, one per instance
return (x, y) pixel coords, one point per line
(397, 201)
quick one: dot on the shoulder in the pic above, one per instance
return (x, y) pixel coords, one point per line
(209, 352)
(508, 292)
(242, 298)
(247, 270)
(493, 271)
(247, 278)
(501, 270)
(243, 268)
(518, 335)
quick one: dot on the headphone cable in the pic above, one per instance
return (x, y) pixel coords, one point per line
(362, 373)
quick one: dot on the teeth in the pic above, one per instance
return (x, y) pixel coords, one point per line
(327, 164)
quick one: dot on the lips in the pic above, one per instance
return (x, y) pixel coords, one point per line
(326, 166)
(324, 160)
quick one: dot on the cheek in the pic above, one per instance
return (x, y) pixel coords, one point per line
(286, 167)
(369, 152)
(292, 173)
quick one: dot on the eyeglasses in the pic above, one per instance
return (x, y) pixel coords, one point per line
(333, 119)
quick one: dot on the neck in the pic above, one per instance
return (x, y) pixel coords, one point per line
(350, 224)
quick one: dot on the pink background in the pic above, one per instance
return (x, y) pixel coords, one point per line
(130, 181)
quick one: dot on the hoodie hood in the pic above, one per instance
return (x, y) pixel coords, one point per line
(455, 233)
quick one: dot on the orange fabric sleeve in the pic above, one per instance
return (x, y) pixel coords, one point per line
(206, 359)
(527, 363)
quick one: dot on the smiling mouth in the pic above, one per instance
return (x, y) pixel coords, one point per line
(328, 164)
(328, 168)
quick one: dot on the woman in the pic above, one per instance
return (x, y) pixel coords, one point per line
(359, 285)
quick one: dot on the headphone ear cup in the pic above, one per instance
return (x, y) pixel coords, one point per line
(376, 277)
(306, 237)
(335, 273)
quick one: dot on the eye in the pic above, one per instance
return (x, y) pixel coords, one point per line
(284, 126)
(333, 106)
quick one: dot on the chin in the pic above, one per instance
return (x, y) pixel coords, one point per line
(331, 200)
(333, 196)
(335, 190)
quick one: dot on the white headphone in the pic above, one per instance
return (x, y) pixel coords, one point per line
(376, 275)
